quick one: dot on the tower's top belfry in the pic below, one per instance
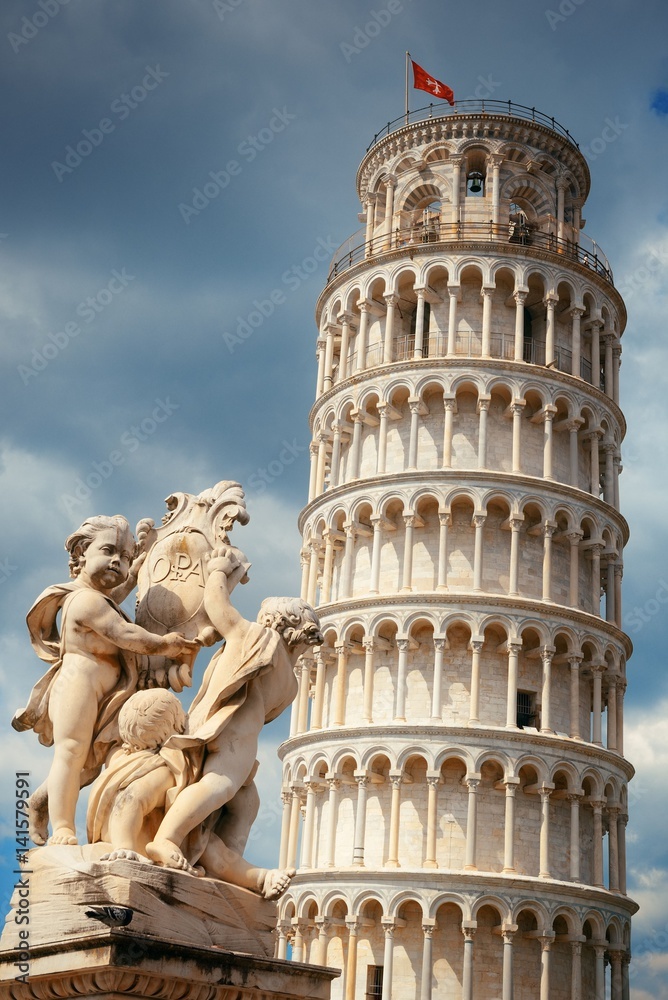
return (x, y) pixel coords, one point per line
(456, 749)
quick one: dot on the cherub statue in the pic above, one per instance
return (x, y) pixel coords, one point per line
(75, 705)
(142, 779)
(247, 684)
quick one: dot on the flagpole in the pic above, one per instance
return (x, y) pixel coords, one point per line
(408, 55)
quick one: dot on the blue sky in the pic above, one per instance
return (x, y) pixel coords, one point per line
(124, 294)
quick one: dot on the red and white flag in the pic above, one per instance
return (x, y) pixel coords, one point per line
(423, 81)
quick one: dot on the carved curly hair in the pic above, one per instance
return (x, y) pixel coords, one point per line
(79, 540)
(293, 618)
(150, 717)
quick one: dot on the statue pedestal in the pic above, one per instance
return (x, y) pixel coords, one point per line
(79, 927)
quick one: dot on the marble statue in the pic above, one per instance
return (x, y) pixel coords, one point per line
(171, 789)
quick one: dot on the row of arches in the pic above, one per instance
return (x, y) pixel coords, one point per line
(480, 541)
(388, 809)
(455, 947)
(470, 307)
(464, 672)
(467, 422)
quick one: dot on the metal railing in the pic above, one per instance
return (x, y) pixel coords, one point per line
(475, 232)
(467, 344)
(474, 107)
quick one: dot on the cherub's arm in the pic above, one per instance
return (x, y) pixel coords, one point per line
(92, 612)
(224, 569)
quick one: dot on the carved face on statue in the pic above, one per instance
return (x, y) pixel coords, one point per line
(101, 552)
(296, 620)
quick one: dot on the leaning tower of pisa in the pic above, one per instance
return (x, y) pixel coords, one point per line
(455, 789)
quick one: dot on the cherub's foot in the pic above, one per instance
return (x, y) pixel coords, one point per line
(123, 854)
(63, 835)
(38, 819)
(276, 881)
(164, 852)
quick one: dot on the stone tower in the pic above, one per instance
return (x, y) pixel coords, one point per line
(455, 790)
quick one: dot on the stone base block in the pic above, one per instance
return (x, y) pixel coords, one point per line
(121, 963)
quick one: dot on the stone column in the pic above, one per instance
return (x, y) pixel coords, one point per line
(314, 562)
(433, 781)
(304, 688)
(514, 648)
(322, 346)
(335, 462)
(382, 438)
(574, 538)
(453, 292)
(333, 784)
(545, 953)
(376, 545)
(626, 984)
(369, 220)
(319, 696)
(356, 445)
(595, 487)
(294, 709)
(345, 319)
(475, 646)
(313, 449)
(515, 527)
(550, 302)
(388, 957)
(456, 187)
(400, 710)
(415, 407)
(548, 530)
(495, 161)
(599, 983)
(282, 943)
(340, 684)
(619, 572)
(621, 689)
(428, 928)
(546, 654)
(393, 859)
(616, 364)
(483, 410)
(353, 924)
(486, 294)
(348, 560)
(507, 974)
(574, 662)
(320, 467)
(573, 427)
(562, 184)
(576, 341)
(362, 335)
(390, 185)
(595, 551)
(304, 563)
(574, 851)
(615, 973)
(295, 813)
(547, 441)
(597, 670)
(612, 712)
(478, 523)
(362, 779)
(300, 930)
(622, 820)
(511, 785)
(320, 951)
(576, 970)
(597, 809)
(407, 575)
(419, 323)
(520, 299)
(286, 798)
(439, 647)
(472, 782)
(309, 822)
(544, 863)
(613, 849)
(442, 571)
(596, 354)
(329, 357)
(517, 408)
(467, 970)
(368, 644)
(608, 341)
(450, 405)
(391, 301)
(326, 582)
